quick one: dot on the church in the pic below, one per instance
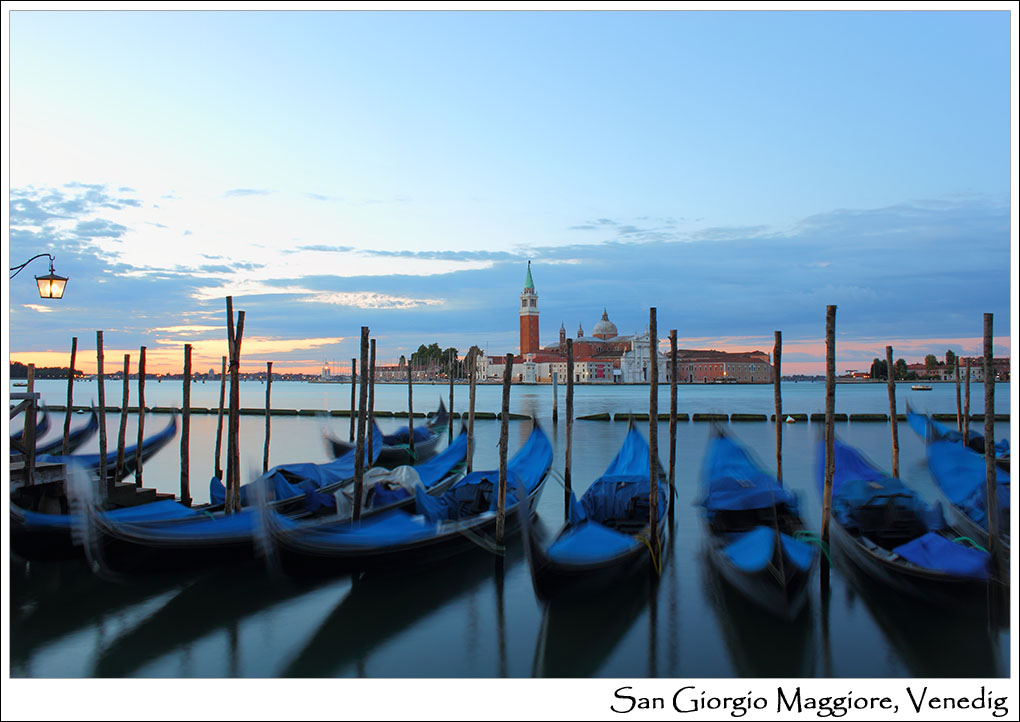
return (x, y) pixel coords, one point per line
(606, 357)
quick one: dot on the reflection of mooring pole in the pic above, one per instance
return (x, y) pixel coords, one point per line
(653, 627)
(672, 425)
(501, 614)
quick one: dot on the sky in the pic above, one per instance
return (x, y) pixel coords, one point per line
(738, 171)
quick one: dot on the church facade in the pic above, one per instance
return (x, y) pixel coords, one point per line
(607, 357)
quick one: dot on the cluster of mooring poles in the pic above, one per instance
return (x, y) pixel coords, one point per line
(963, 419)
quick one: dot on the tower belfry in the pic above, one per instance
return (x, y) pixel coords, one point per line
(529, 317)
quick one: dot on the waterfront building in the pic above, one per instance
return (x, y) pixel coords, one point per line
(608, 357)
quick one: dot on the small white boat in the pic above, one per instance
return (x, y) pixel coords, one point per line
(920, 387)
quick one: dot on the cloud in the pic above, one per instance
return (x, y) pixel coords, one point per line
(370, 299)
(240, 192)
(323, 249)
(909, 273)
(100, 228)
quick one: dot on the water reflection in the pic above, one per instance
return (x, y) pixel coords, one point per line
(578, 634)
(52, 600)
(381, 605)
(931, 642)
(215, 601)
(760, 644)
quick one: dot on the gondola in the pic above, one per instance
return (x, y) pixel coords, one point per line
(90, 462)
(975, 440)
(36, 535)
(75, 438)
(206, 538)
(607, 538)
(884, 529)
(396, 449)
(752, 526)
(303, 483)
(461, 519)
(959, 474)
(42, 425)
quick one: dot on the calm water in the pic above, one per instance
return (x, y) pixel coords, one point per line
(465, 619)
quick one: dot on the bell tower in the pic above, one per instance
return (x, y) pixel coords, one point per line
(529, 317)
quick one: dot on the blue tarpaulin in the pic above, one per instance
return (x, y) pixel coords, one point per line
(621, 493)
(933, 551)
(292, 480)
(733, 481)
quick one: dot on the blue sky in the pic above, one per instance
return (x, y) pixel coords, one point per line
(737, 170)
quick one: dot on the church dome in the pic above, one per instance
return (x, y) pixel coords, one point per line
(605, 328)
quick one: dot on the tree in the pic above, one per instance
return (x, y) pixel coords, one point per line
(950, 359)
(879, 369)
(931, 363)
(900, 369)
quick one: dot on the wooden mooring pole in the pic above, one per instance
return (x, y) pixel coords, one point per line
(269, 386)
(653, 435)
(472, 366)
(354, 389)
(66, 447)
(453, 362)
(504, 419)
(966, 407)
(28, 435)
(894, 424)
(217, 468)
(141, 416)
(122, 431)
(555, 413)
(672, 422)
(410, 411)
(359, 454)
(777, 386)
(991, 483)
(104, 480)
(570, 429)
(186, 430)
(959, 407)
(370, 427)
(830, 410)
(232, 502)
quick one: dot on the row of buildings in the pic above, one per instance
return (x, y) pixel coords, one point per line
(603, 357)
(607, 357)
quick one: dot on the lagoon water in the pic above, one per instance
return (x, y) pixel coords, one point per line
(463, 619)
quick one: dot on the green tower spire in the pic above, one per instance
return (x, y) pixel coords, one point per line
(528, 283)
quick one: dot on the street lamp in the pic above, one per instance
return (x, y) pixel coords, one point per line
(51, 285)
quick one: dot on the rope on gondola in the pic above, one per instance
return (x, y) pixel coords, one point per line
(811, 538)
(971, 542)
(483, 541)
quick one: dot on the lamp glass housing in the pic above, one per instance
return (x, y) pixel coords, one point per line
(51, 285)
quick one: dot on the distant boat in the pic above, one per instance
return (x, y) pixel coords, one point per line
(920, 387)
